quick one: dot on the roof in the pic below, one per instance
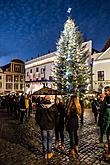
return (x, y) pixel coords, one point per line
(107, 45)
(105, 55)
(17, 60)
(38, 81)
(5, 67)
(47, 91)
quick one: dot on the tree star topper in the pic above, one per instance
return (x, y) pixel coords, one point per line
(69, 10)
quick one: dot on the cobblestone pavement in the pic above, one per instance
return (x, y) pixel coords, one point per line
(21, 144)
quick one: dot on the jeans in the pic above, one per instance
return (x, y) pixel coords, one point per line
(61, 133)
(47, 136)
(73, 139)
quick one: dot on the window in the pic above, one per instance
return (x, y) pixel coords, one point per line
(27, 85)
(42, 70)
(34, 76)
(50, 78)
(21, 78)
(16, 86)
(16, 79)
(100, 75)
(27, 73)
(42, 78)
(17, 68)
(37, 69)
(21, 86)
(9, 78)
(9, 86)
(30, 70)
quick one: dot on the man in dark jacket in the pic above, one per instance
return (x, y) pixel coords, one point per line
(46, 116)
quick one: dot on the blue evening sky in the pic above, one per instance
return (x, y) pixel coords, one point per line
(32, 27)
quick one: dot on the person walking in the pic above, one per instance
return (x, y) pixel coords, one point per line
(81, 101)
(22, 108)
(73, 113)
(46, 117)
(101, 115)
(106, 119)
(95, 108)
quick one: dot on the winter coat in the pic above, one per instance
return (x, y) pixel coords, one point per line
(101, 113)
(22, 102)
(46, 115)
(106, 116)
(95, 106)
(61, 116)
(73, 111)
(72, 121)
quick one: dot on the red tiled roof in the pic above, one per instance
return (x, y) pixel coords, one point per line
(107, 45)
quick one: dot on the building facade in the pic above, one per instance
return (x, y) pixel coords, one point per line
(1, 81)
(12, 77)
(101, 70)
(38, 72)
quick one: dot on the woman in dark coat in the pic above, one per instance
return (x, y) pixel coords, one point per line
(73, 111)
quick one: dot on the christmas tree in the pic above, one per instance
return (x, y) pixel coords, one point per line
(71, 72)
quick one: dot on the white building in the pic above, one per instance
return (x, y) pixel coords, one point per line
(101, 70)
(38, 71)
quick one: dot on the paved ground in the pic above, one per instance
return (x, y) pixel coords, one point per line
(21, 144)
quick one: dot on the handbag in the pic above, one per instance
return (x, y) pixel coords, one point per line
(22, 109)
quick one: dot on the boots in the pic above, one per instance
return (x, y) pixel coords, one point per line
(56, 145)
(62, 147)
(72, 153)
(76, 151)
(49, 155)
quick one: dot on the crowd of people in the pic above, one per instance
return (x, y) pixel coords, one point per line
(52, 117)
(19, 106)
(54, 114)
(101, 110)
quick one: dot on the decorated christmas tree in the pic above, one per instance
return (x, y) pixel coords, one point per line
(71, 72)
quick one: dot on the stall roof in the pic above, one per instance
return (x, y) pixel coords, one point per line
(47, 91)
